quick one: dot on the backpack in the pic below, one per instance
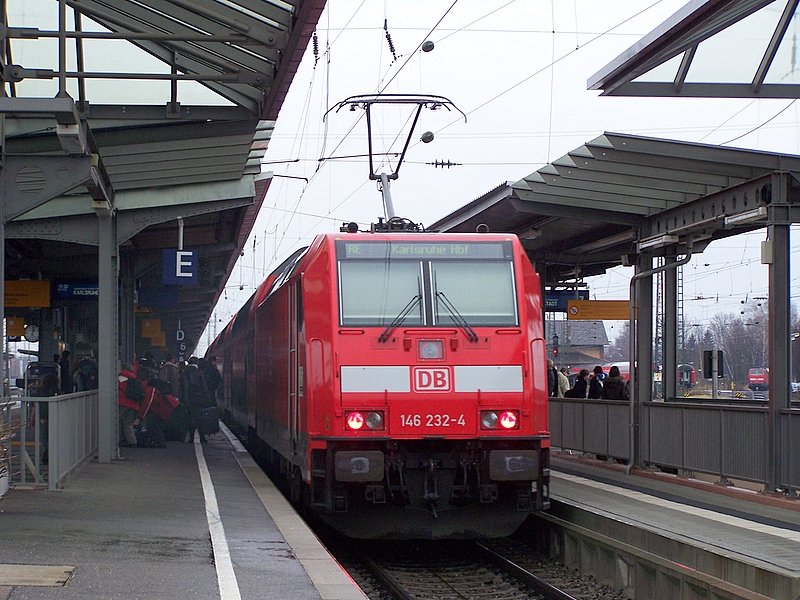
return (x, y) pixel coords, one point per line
(165, 387)
(134, 390)
(196, 391)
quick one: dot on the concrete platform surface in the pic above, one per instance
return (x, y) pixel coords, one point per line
(187, 521)
(685, 532)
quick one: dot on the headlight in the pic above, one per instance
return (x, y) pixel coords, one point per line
(431, 349)
(374, 420)
(488, 419)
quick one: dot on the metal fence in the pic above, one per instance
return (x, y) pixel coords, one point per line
(56, 434)
(730, 442)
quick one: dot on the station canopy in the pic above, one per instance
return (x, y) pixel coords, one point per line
(173, 102)
(600, 204)
(712, 48)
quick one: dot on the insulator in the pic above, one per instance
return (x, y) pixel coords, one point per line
(389, 39)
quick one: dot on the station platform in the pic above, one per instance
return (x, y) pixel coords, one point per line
(728, 541)
(190, 520)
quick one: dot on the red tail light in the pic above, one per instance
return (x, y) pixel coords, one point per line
(355, 420)
(368, 421)
(509, 419)
(499, 419)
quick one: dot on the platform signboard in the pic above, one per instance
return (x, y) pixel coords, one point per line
(179, 267)
(598, 310)
(27, 293)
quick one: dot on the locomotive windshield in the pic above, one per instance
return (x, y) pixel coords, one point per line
(426, 284)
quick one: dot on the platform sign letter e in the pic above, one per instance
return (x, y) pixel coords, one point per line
(432, 380)
(180, 267)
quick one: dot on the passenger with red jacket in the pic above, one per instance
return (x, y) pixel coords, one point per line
(130, 393)
(156, 408)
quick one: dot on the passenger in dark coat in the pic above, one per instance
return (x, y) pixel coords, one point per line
(596, 383)
(581, 387)
(66, 375)
(213, 379)
(614, 387)
(552, 379)
(194, 394)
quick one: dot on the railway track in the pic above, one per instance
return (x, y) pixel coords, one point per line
(466, 571)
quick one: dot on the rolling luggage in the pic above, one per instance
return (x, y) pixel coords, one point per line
(209, 420)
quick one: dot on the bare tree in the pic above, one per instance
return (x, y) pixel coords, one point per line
(619, 349)
(689, 353)
(742, 340)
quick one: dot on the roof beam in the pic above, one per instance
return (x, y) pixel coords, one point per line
(706, 216)
(654, 89)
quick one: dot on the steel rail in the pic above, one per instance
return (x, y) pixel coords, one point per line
(537, 583)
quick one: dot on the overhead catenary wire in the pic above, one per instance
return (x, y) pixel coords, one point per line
(343, 193)
(383, 85)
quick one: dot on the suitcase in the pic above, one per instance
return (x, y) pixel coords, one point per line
(209, 421)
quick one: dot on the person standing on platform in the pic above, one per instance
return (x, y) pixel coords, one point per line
(552, 378)
(155, 410)
(193, 392)
(614, 388)
(563, 382)
(66, 374)
(581, 387)
(596, 383)
(179, 422)
(169, 373)
(85, 376)
(213, 379)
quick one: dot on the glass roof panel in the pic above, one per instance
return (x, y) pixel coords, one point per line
(664, 72)
(786, 64)
(733, 54)
(100, 56)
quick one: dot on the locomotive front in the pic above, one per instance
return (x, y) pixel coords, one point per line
(440, 405)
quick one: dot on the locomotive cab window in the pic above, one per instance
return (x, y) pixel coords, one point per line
(480, 292)
(373, 293)
(426, 284)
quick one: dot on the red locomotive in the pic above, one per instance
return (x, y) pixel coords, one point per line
(397, 381)
(758, 379)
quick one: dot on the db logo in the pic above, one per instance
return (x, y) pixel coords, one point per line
(431, 380)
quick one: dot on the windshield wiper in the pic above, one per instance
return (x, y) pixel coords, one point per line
(397, 321)
(457, 317)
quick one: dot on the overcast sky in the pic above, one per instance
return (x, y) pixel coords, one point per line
(518, 69)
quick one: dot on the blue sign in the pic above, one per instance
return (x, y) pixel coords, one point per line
(159, 297)
(77, 291)
(556, 300)
(180, 267)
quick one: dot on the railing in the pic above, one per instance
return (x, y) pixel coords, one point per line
(730, 442)
(65, 434)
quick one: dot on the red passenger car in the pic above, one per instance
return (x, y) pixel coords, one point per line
(397, 382)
